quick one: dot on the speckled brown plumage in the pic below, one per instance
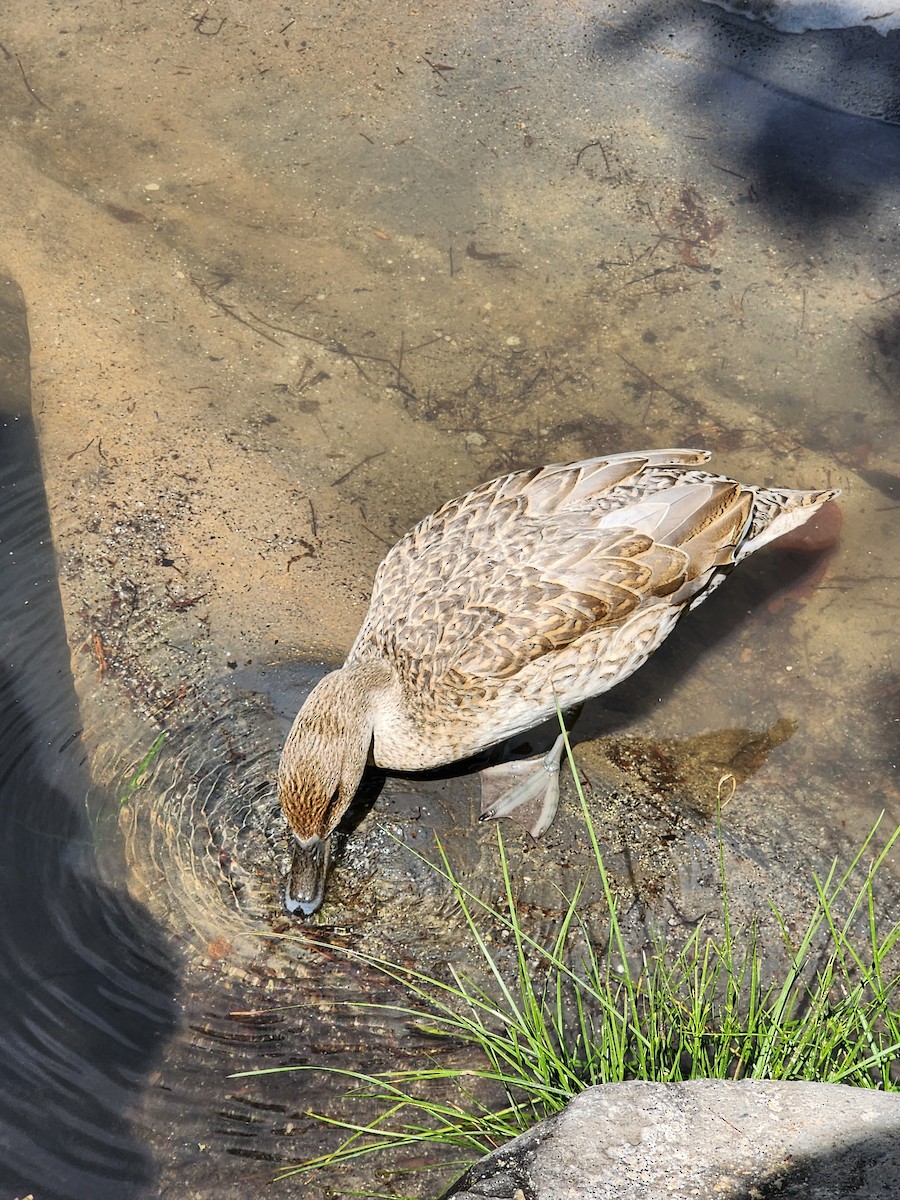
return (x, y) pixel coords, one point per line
(540, 588)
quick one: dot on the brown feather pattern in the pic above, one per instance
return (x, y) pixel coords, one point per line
(543, 586)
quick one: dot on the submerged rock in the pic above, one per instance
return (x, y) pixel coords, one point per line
(707, 1138)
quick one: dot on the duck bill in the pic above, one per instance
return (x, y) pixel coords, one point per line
(306, 882)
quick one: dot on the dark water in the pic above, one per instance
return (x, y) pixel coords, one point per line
(88, 985)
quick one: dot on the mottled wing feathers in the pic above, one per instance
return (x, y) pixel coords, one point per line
(528, 564)
(518, 611)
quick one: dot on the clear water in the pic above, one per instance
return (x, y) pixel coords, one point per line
(293, 279)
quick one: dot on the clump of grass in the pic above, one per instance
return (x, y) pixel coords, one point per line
(567, 1015)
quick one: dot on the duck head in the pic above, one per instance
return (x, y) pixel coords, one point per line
(321, 767)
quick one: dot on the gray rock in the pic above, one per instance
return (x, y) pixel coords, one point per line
(708, 1138)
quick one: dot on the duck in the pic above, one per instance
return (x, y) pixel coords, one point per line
(525, 597)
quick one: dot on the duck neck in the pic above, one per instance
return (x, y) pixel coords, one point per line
(369, 689)
(350, 696)
(332, 733)
(369, 679)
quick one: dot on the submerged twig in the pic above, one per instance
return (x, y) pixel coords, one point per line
(362, 463)
(31, 92)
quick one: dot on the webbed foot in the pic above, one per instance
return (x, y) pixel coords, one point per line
(526, 789)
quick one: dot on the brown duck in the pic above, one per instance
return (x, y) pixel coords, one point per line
(536, 590)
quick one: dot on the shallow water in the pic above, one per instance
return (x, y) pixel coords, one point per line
(292, 281)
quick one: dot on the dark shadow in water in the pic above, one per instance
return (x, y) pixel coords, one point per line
(812, 168)
(87, 980)
(788, 113)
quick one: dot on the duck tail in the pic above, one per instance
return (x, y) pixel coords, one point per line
(776, 511)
